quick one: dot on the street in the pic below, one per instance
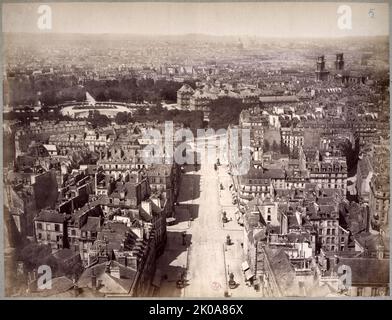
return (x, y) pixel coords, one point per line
(205, 256)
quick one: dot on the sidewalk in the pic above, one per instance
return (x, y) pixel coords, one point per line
(234, 257)
(225, 200)
(182, 215)
(233, 254)
(172, 263)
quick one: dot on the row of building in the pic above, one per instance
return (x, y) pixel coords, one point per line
(109, 215)
(306, 218)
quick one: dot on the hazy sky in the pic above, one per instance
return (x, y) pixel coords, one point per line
(254, 19)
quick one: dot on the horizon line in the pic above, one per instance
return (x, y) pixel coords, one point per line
(193, 34)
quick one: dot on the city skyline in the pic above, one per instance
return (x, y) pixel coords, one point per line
(133, 159)
(261, 20)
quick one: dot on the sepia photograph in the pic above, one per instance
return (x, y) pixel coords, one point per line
(201, 150)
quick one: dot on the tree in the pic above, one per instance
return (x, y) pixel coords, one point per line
(141, 112)
(190, 119)
(98, 120)
(225, 111)
(101, 96)
(71, 270)
(33, 255)
(115, 94)
(123, 118)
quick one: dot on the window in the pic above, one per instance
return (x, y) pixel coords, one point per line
(73, 232)
(269, 218)
(39, 235)
(341, 248)
(39, 226)
(48, 237)
(269, 210)
(374, 292)
(57, 227)
(359, 292)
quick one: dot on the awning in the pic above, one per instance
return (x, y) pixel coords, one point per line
(170, 220)
(245, 266)
(248, 275)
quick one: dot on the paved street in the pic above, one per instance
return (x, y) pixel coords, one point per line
(205, 255)
(206, 268)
